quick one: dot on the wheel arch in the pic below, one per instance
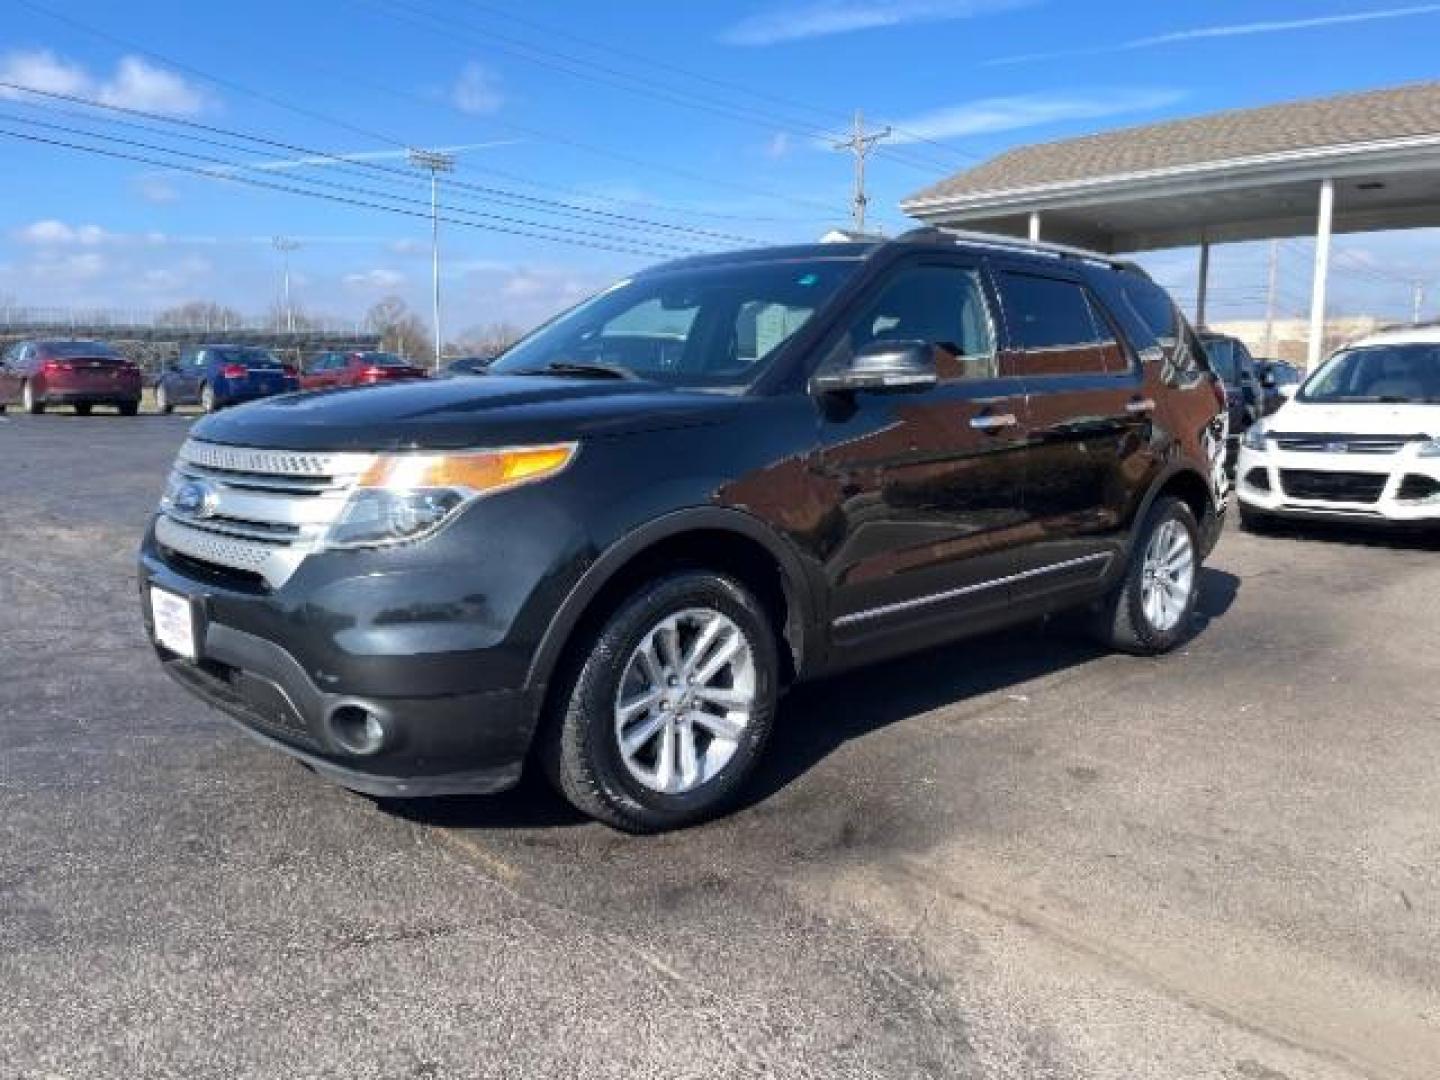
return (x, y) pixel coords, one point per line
(729, 541)
(1187, 484)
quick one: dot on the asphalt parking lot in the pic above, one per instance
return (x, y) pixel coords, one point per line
(1013, 857)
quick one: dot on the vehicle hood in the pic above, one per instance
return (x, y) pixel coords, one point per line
(1356, 418)
(441, 414)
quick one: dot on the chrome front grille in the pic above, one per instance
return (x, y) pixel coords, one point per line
(1342, 444)
(265, 510)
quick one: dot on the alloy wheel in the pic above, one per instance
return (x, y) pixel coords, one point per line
(685, 700)
(1167, 575)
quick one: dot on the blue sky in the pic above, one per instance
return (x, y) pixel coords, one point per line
(638, 124)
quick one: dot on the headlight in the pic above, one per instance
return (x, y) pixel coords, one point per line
(1430, 449)
(1254, 437)
(404, 497)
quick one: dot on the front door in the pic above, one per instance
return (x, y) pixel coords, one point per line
(1089, 419)
(930, 482)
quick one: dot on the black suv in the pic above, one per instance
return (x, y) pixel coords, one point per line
(1238, 370)
(611, 554)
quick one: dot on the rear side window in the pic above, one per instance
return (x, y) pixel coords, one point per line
(1154, 307)
(1056, 324)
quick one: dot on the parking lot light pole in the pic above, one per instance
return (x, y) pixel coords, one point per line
(285, 246)
(434, 163)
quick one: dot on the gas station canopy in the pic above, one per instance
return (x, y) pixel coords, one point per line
(1356, 163)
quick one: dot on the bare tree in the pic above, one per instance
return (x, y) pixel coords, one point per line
(200, 314)
(491, 339)
(400, 329)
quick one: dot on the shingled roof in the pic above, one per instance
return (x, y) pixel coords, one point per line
(1406, 111)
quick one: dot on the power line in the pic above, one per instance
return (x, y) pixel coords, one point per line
(448, 25)
(345, 200)
(347, 165)
(353, 77)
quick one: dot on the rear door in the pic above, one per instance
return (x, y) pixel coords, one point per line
(1088, 415)
(929, 483)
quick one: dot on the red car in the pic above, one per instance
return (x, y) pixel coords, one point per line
(356, 369)
(81, 374)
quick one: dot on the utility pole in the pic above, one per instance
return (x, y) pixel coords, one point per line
(1270, 298)
(285, 246)
(860, 144)
(1418, 288)
(434, 162)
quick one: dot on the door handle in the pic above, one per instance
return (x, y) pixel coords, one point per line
(1140, 405)
(993, 421)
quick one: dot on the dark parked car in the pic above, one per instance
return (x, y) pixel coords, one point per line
(723, 476)
(1231, 360)
(468, 365)
(329, 370)
(214, 376)
(1278, 382)
(81, 374)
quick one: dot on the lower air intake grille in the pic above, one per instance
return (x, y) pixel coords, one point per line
(1355, 487)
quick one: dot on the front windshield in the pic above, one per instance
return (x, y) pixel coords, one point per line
(707, 327)
(1398, 373)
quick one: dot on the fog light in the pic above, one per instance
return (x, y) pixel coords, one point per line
(357, 729)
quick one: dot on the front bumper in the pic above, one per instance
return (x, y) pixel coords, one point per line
(1261, 485)
(452, 722)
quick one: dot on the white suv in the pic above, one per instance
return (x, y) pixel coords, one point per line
(1360, 441)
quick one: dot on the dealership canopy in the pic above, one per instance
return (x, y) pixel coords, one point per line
(1355, 163)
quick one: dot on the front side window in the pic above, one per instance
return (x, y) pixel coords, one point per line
(707, 327)
(1384, 373)
(943, 306)
(1057, 325)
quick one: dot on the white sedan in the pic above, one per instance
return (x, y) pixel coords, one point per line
(1360, 441)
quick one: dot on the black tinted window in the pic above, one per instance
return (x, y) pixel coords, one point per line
(1153, 305)
(1046, 313)
(1058, 326)
(943, 306)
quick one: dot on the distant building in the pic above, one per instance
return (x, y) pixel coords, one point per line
(1290, 338)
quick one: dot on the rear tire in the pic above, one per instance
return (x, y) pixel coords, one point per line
(163, 404)
(83, 408)
(1149, 611)
(691, 735)
(129, 408)
(34, 404)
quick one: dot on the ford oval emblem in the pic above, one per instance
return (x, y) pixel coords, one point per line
(1337, 448)
(196, 498)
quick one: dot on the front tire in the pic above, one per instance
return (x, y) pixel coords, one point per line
(129, 408)
(1150, 610)
(667, 708)
(1255, 521)
(34, 404)
(83, 408)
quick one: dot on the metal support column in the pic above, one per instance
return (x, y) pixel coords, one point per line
(1034, 226)
(1322, 274)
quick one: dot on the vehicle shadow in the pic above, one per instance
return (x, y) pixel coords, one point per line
(1411, 538)
(816, 719)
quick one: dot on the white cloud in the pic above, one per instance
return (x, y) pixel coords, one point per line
(156, 189)
(989, 116)
(377, 280)
(477, 90)
(135, 83)
(1271, 26)
(778, 146)
(52, 233)
(823, 18)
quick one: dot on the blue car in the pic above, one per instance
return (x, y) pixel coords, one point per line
(214, 376)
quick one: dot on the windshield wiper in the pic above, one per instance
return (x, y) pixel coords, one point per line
(580, 368)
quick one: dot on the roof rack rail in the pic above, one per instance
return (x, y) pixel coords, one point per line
(1015, 243)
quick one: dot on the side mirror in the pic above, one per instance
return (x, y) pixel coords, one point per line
(883, 367)
(1267, 381)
